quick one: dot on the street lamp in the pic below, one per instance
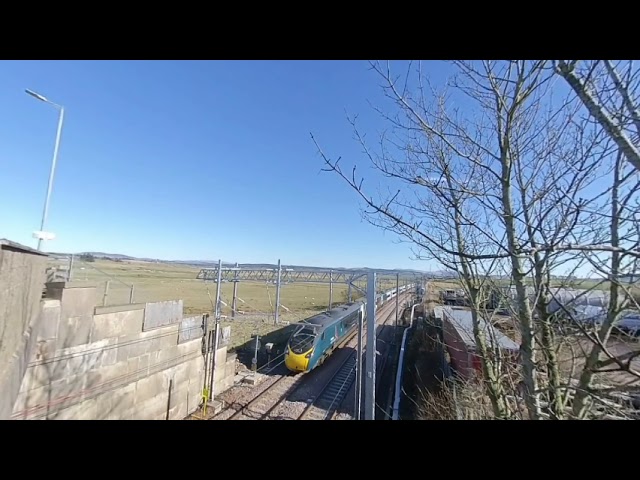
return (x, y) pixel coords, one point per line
(41, 234)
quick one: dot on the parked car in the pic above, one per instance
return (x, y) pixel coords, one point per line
(629, 323)
(589, 314)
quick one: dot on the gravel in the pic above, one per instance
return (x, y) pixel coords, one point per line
(346, 409)
(342, 416)
(288, 399)
(287, 410)
(269, 398)
(315, 380)
(243, 394)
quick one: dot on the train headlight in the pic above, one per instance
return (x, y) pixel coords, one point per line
(308, 355)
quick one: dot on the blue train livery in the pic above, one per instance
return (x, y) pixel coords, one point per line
(318, 336)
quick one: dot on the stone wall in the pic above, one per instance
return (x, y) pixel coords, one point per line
(22, 274)
(141, 361)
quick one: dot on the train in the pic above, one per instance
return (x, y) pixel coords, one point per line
(317, 337)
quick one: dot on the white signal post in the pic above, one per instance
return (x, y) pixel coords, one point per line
(370, 380)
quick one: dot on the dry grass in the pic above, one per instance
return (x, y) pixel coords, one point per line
(155, 282)
(158, 282)
(573, 349)
(445, 285)
(459, 401)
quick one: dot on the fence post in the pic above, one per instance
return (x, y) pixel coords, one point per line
(106, 293)
(330, 289)
(254, 361)
(131, 293)
(70, 268)
(235, 293)
(277, 309)
(216, 339)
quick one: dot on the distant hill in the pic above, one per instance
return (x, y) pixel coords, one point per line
(214, 264)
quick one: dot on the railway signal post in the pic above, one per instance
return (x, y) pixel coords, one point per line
(330, 289)
(216, 333)
(235, 293)
(278, 282)
(358, 406)
(397, 296)
(370, 380)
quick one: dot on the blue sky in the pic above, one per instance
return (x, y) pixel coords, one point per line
(191, 160)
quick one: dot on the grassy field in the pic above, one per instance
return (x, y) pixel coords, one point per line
(579, 284)
(162, 281)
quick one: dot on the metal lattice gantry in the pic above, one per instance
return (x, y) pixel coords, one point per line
(288, 275)
(281, 275)
(269, 274)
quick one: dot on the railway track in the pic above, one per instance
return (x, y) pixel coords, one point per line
(330, 398)
(273, 397)
(332, 395)
(383, 382)
(261, 406)
(265, 403)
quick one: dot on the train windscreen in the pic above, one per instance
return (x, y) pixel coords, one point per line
(302, 340)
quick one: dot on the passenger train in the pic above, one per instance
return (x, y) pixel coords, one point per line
(319, 336)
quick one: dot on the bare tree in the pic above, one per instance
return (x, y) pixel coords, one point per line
(599, 86)
(614, 215)
(501, 187)
(482, 153)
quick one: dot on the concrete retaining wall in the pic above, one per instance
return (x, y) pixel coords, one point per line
(22, 274)
(141, 361)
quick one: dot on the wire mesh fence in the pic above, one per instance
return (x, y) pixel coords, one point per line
(123, 281)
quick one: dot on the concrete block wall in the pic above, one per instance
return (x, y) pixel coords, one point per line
(225, 371)
(140, 361)
(22, 275)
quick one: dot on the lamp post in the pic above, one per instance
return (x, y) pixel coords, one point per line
(41, 234)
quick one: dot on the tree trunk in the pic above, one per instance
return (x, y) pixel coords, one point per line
(492, 381)
(556, 400)
(580, 407)
(524, 309)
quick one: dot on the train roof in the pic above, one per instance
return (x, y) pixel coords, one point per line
(461, 320)
(327, 318)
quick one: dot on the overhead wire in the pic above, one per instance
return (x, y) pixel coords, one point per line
(88, 264)
(115, 382)
(340, 390)
(388, 314)
(91, 351)
(115, 345)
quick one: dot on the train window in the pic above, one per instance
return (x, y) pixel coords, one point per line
(302, 340)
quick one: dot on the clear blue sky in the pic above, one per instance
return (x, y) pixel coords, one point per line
(191, 160)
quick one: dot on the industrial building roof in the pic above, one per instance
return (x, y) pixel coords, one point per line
(461, 320)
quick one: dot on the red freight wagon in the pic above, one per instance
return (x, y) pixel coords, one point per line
(460, 342)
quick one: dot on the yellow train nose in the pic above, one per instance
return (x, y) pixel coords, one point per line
(295, 362)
